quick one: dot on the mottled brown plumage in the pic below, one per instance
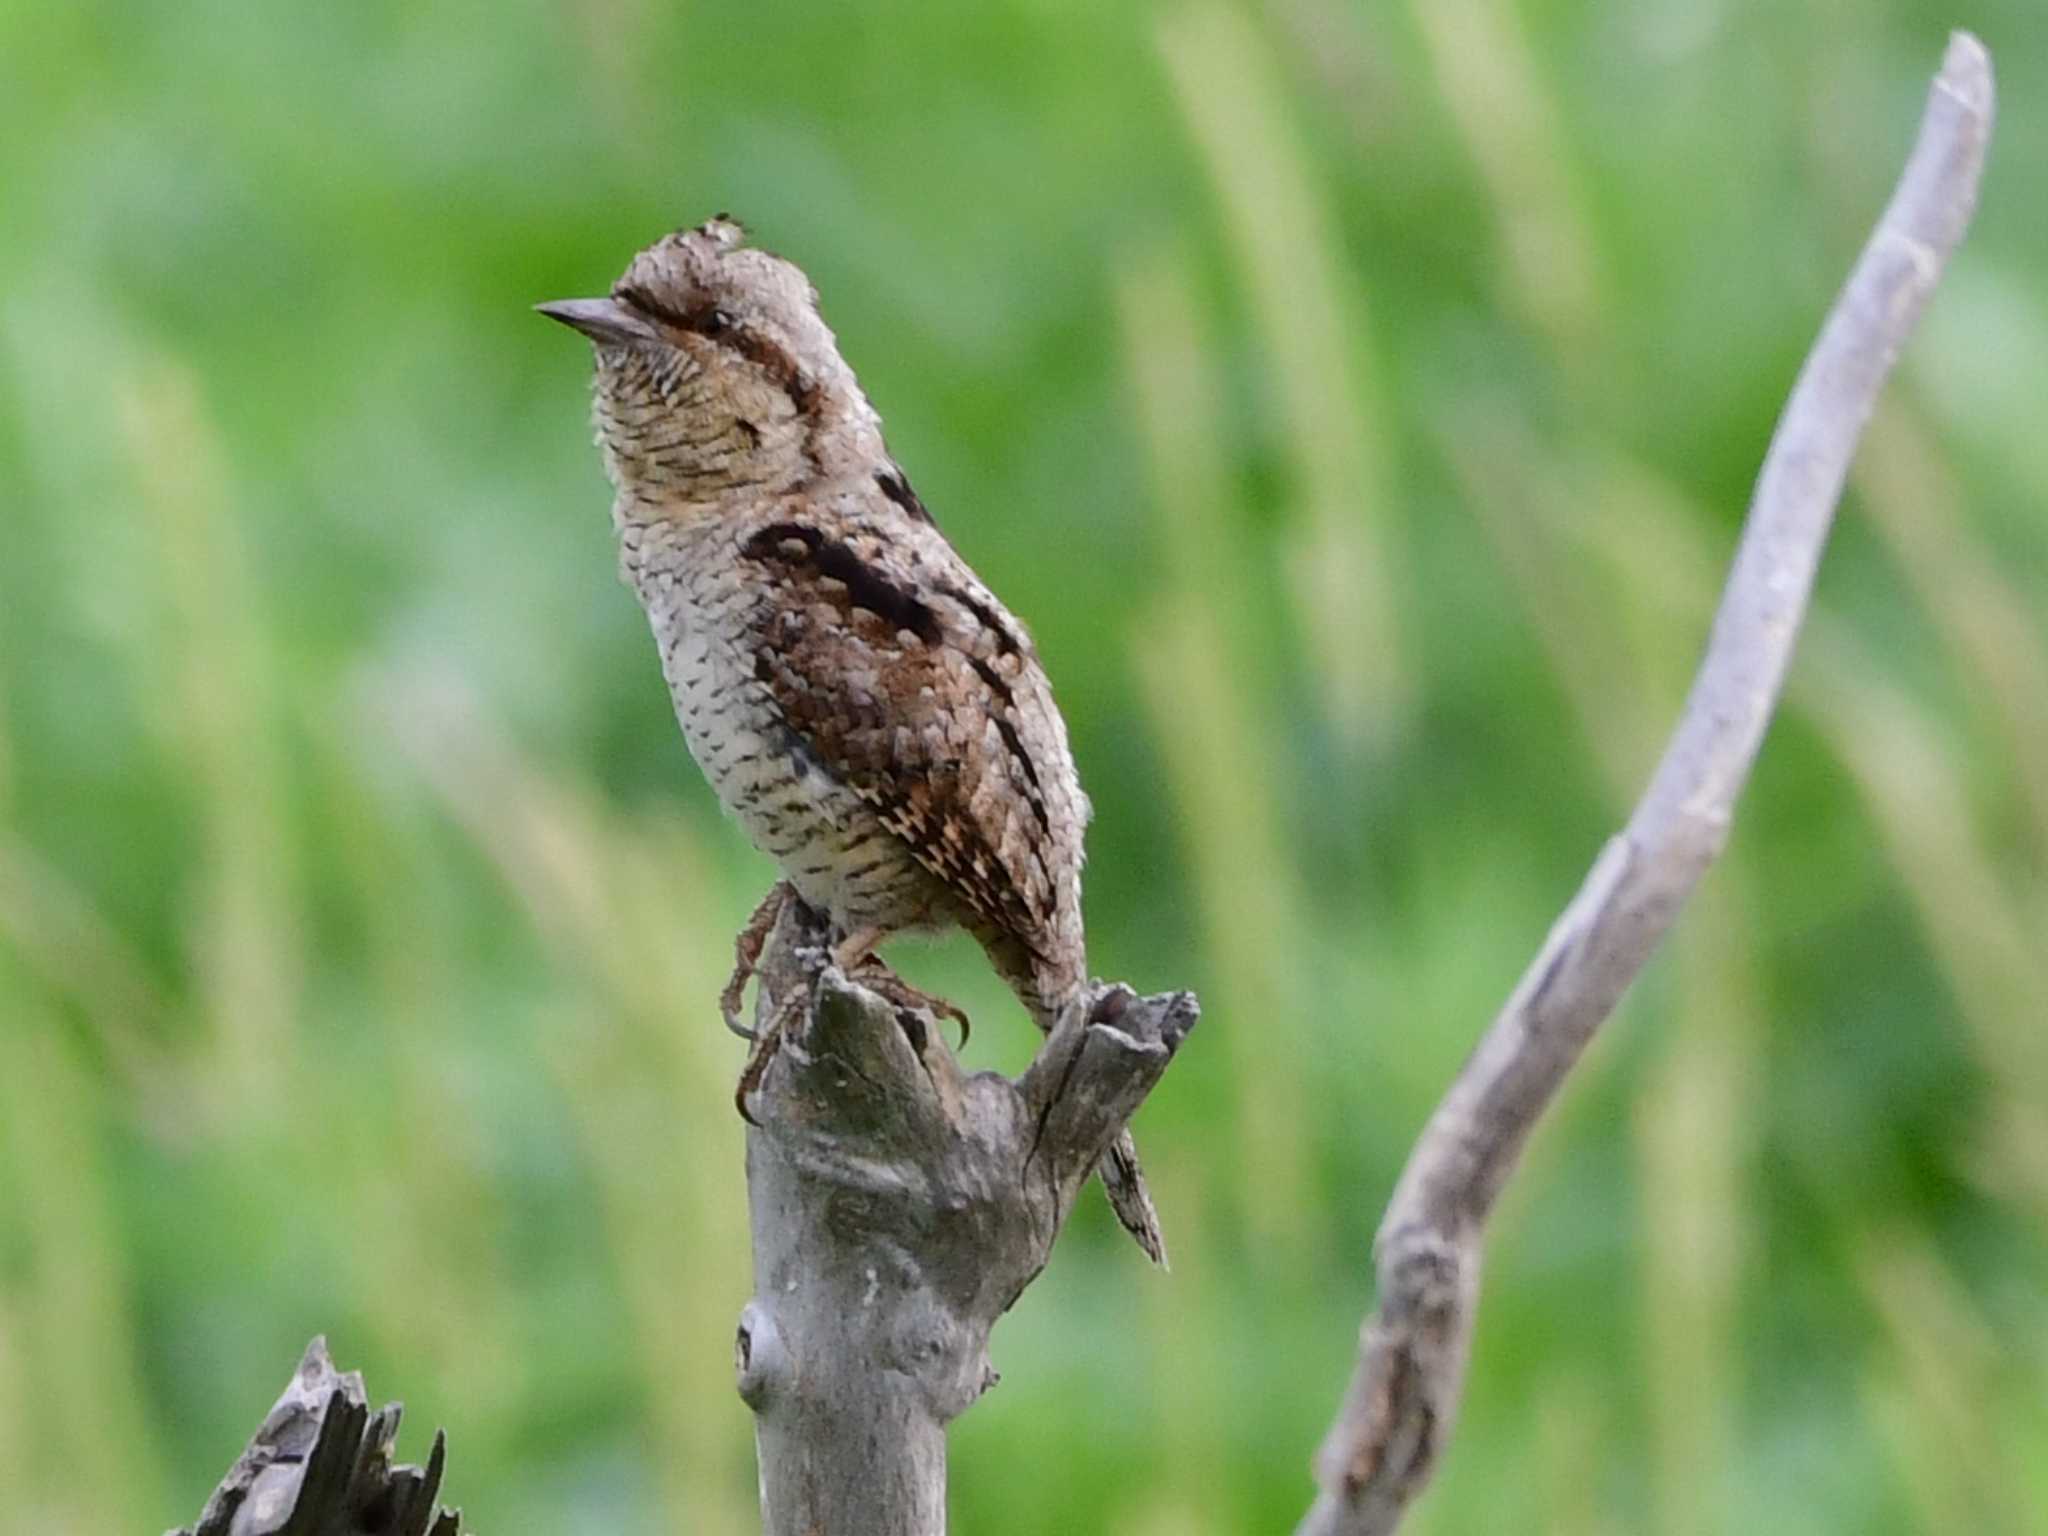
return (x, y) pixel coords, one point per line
(862, 704)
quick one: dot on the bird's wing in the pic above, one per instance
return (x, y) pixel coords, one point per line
(910, 684)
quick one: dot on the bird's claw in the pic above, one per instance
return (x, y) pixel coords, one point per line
(767, 1041)
(746, 955)
(878, 977)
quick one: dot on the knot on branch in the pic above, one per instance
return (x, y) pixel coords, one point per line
(759, 1361)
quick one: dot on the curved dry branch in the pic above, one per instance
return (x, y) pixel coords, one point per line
(1398, 1411)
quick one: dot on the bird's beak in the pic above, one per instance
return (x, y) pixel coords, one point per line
(605, 321)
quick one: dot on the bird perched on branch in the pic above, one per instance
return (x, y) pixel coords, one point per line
(863, 705)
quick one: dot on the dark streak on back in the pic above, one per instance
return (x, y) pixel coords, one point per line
(997, 684)
(896, 487)
(1008, 641)
(865, 586)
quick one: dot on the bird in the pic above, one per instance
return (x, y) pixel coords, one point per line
(872, 715)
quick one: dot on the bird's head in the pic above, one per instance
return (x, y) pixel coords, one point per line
(716, 373)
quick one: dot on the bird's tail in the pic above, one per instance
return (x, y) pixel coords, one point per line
(1124, 1182)
(1048, 992)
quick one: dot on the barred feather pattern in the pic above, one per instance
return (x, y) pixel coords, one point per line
(860, 701)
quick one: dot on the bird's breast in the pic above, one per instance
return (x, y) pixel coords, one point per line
(829, 842)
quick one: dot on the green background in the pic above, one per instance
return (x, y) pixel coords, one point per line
(1358, 402)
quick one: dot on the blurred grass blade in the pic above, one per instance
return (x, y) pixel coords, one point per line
(1191, 1390)
(1996, 968)
(220, 714)
(74, 952)
(641, 1057)
(1192, 655)
(7, 752)
(1318, 360)
(1624, 664)
(1940, 1390)
(1695, 1135)
(66, 1289)
(1980, 932)
(1623, 685)
(431, 1251)
(1569, 1453)
(1911, 494)
(1490, 80)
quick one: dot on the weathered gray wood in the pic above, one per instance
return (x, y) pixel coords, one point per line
(900, 1206)
(320, 1465)
(1398, 1412)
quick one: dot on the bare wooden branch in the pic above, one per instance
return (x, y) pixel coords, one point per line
(900, 1206)
(1398, 1411)
(320, 1465)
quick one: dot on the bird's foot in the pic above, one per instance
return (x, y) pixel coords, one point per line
(855, 955)
(878, 978)
(746, 954)
(767, 1041)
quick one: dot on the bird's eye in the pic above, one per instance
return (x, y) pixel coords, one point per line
(716, 322)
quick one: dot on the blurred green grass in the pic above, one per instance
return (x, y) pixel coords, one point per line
(1358, 402)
